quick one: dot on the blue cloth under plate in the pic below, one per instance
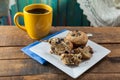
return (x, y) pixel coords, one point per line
(32, 54)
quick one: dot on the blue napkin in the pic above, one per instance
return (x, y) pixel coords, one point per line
(28, 52)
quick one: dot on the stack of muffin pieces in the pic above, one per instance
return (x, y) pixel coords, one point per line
(72, 49)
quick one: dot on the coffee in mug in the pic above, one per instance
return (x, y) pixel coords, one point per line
(37, 19)
(38, 11)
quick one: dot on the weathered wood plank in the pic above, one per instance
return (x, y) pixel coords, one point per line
(17, 66)
(20, 38)
(11, 36)
(12, 53)
(90, 29)
(115, 50)
(29, 67)
(25, 67)
(49, 76)
(16, 53)
(100, 35)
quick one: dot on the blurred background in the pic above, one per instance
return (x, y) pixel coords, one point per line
(65, 12)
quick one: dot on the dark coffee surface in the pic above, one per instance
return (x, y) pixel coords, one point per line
(38, 11)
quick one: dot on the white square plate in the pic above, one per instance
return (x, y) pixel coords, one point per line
(43, 50)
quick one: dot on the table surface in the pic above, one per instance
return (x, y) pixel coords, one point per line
(15, 65)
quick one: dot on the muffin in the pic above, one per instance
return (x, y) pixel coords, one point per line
(71, 49)
(78, 38)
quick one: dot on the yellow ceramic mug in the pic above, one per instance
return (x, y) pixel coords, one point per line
(37, 19)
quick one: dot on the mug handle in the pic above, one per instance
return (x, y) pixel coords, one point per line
(16, 20)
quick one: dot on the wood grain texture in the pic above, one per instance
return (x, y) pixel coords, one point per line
(50, 76)
(15, 60)
(10, 53)
(20, 38)
(30, 67)
(15, 53)
(15, 65)
(100, 34)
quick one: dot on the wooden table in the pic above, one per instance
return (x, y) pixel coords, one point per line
(15, 65)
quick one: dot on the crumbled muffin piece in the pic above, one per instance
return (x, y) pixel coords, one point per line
(60, 46)
(71, 59)
(86, 52)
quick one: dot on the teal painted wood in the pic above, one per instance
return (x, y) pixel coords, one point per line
(21, 4)
(70, 12)
(30, 1)
(85, 22)
(0, 21)
(53, 4)
(44, 1)
(78, 15)
(62, 9)
(74, 13)
(37, 1)
(65, 12)
(3, 20)
(13, 11)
